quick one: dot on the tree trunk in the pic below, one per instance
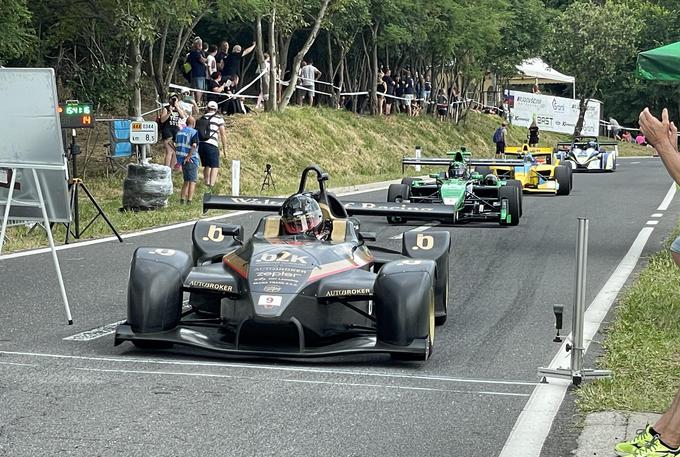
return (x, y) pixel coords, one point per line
(134, 75)
(582, 108)
(182, 39)
(271, 104)
(373, 81)
(300, 55)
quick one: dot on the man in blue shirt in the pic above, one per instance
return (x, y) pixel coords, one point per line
(186, 145)
(197, 61)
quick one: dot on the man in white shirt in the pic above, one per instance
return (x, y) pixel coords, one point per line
(208, 149)
(211, 63)
(308, 74)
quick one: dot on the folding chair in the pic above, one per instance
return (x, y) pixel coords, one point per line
(119, 147)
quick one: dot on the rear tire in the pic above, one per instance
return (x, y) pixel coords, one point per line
(510, 194)
(407, 182)
(397, 193)
(563, 176)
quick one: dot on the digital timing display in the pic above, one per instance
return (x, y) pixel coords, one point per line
(76, 115)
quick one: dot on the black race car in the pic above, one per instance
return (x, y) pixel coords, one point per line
(279, 295)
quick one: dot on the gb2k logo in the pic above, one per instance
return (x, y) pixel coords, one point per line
(283, 256)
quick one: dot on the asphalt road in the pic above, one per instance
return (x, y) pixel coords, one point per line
(66, 397)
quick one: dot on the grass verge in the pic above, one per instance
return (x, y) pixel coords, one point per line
(353, 149)
(642, 346)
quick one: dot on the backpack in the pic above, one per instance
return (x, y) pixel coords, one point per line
(498, 135)
(186, 68)
(203, 126)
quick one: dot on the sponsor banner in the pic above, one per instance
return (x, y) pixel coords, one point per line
(552, 114)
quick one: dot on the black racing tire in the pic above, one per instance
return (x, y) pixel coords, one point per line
(520, 192)
(510, 193)
(155, 289)
(483, 170)
(563, 176)
(408, 182)
(405, 307)
(397, 193)
(442, 303)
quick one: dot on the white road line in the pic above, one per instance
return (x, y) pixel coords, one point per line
(533, 424)
(23, 364)
(303, 381)
(652, 222)
(634, 163)
(264, 367)
(95, 333)
(668, 198)
(422, 228)
(657, 215)
(165, 228)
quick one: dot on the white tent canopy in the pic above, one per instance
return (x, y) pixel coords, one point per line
(535, 71)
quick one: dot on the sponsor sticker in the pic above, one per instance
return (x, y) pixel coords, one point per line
(270, 301)
(272, 288)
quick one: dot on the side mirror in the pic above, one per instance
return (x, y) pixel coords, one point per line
(368, 236)
(232, 230)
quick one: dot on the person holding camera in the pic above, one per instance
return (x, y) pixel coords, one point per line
(170, 119)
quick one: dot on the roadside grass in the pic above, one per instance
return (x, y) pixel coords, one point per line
(352, 149)
(642, 345)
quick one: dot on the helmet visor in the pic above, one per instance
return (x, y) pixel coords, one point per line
(302, 223)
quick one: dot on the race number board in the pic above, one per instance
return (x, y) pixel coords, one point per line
(143, 132)
(30, 119)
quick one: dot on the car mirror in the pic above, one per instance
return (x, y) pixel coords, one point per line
(368, 236)
(231, 230)
(434, 175)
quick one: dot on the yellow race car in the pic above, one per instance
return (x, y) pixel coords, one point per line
(540, 172)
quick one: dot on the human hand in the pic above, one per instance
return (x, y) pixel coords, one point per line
(673, 136)
(657, 132)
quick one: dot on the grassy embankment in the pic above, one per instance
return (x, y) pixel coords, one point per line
(353, 149)
(642, 344)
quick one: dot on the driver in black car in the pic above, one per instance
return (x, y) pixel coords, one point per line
(301, 214)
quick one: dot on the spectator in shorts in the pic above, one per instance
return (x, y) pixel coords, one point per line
(309, 74)
(662, 439)
(409, 93)
(442, 105)
(186, 146)
(381, 88)
(627, 137)
(389, 83)
(232, 64)
(499, 138)
(197, 62)
(170, 119)
(209, 150)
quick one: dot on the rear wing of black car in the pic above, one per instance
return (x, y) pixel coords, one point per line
(423, 211)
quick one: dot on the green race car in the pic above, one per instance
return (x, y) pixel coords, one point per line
(476, 197)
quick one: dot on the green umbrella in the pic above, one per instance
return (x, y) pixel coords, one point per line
(661, 64)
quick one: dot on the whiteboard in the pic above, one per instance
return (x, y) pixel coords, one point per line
(32, 139)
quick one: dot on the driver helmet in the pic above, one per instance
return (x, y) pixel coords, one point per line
(491, 179)
(592, 144)
(457, 170)
(300, 213)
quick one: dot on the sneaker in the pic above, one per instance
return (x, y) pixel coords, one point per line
(643, 438)
(655, 448)
(181, 202)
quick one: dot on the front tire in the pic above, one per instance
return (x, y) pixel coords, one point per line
(397, 193)
(520, 192)
(563, 176)
(509, 193)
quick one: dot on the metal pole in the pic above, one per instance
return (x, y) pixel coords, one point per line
(418, 151)
(235, 177)
(579, 298)
(5, 216)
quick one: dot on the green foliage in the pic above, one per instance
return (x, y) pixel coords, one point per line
(16, 35)
(642, 345)
(592, 41)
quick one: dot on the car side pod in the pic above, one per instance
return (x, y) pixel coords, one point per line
(155, 289)
(404, 302)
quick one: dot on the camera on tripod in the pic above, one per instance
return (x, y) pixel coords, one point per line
(268, 178)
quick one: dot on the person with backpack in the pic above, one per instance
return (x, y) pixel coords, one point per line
(209, 126)
(499, 139)
(186, 147)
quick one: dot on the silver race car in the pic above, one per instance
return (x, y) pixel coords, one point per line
(588, 154)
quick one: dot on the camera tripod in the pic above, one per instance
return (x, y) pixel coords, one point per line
(268, 178)
(74, 184)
